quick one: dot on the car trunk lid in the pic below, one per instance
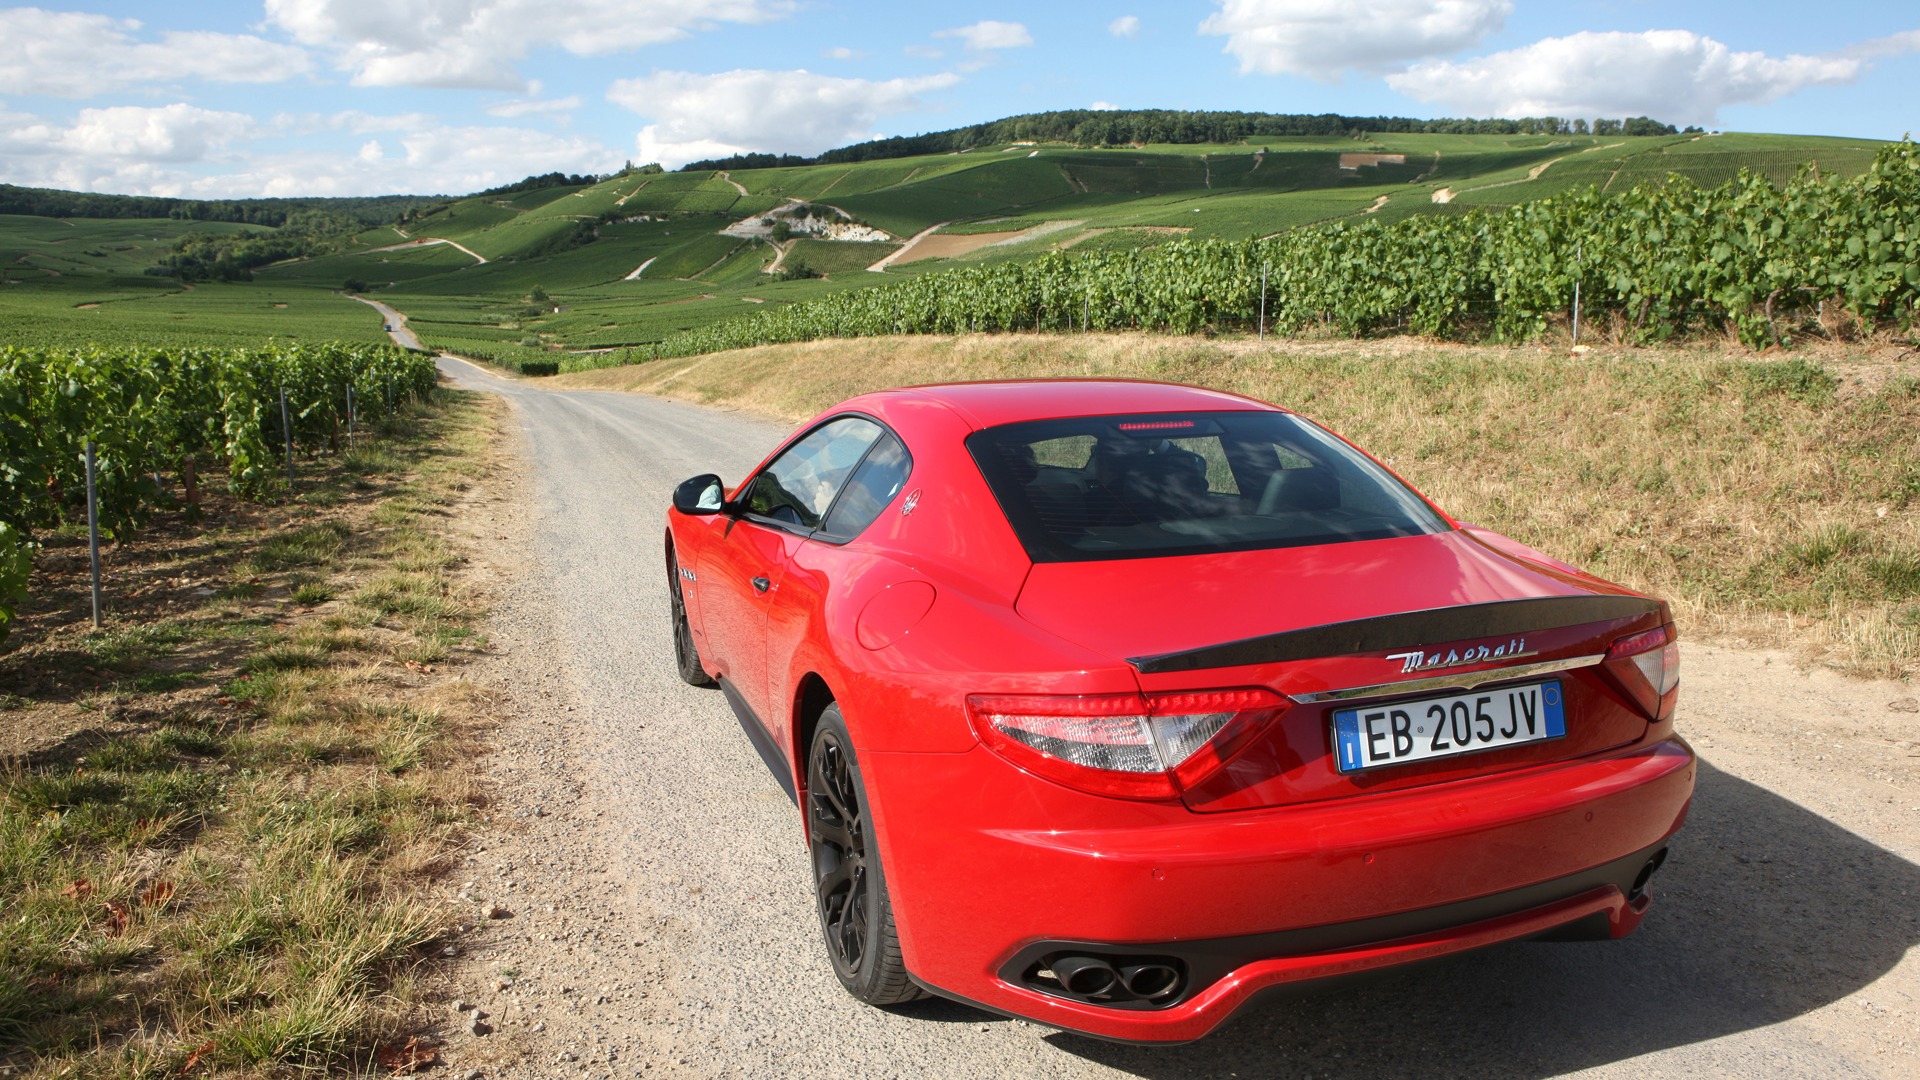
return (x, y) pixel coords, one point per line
(1337, 625)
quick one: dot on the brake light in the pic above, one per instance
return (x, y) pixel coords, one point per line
(1647, 665)
(1133, 746)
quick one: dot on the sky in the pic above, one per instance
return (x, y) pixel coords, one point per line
(243, 98)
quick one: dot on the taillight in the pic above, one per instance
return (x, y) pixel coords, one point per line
(1133, 746)
(1647, 665)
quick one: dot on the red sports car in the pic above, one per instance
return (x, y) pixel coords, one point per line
(1113, 704)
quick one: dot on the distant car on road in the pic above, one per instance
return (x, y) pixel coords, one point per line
(1113, 704)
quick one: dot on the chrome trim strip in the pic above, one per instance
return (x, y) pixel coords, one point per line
(1465, 681)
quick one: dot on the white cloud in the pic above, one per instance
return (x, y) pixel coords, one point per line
(989, 34)
(180, 150)
(1672, 75)
(1125, 26)
(474, 43)
(799, 112)
(1905, 41)
(841, 52)
(1322, 38)
(1103, 106)
(121, 149)
(170, 133)
(924, 52)
(558, 108)
(351, 121)
(73, 54)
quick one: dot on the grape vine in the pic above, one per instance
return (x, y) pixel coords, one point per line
(168, 412)
(1658, 262)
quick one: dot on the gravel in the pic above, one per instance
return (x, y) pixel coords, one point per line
(640, 904)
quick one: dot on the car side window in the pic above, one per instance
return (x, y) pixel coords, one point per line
(875, 483)
(799, 486)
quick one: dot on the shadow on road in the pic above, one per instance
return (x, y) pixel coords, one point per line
(1766, 912)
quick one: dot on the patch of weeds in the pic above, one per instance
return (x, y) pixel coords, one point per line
(318, 544)
(1799, 379)
(9, 702)
(397, 511)
(110, 808)
(372, 459)
(124, 645)
(1897, 572)
(1824, 546)
(261, 687)
(158, 682)
(423, 651)
(239, 590)
(404, 740)
(131, 755)
(285, 656)
(333, 639)
(313, 593)
(412, 549)
(191, 741)
(410, 593)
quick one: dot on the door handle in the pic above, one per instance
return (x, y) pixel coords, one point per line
(761, 584)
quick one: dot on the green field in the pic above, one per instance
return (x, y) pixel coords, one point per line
(69, 282)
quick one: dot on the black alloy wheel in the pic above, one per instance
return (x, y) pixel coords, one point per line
(686, 657)
(850, 888)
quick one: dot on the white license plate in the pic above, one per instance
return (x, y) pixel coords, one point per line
(1400, 732)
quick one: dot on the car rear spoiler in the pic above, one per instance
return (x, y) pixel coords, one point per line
(1405, 630)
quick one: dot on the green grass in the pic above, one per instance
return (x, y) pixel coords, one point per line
(240, 879)
(48, 314)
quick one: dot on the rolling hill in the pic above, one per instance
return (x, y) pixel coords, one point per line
(627, 261)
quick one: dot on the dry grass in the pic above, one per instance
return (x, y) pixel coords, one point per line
(217, 813)
(1774, 499)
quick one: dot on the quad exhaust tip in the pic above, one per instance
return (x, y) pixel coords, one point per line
(1125, 982)
(1150, 981)
(1638, 892)
(1086, 976)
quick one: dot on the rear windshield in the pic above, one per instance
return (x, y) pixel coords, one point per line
(1120, 487)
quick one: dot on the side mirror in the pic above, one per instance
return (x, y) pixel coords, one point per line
(701, 495)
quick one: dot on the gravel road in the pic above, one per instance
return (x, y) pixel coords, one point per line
(656, 904)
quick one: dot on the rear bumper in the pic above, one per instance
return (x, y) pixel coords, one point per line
(1252, 900)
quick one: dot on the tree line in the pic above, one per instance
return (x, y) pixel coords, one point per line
(272, 213)
(1096, 127)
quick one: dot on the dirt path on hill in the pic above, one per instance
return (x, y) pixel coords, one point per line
(429, 241)
(657, 900)
(894, 255)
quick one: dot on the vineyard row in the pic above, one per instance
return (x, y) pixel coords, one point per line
(1657, 262)
(158, 413)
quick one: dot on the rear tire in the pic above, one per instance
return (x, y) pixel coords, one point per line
(850, 889)
(686, 656)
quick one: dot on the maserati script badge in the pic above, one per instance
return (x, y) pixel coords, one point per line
(1421, 660)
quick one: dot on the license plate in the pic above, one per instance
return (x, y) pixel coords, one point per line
(1400, 732)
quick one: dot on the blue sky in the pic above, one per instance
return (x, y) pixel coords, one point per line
(338, 97)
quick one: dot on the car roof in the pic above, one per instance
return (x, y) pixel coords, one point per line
(1010, 401)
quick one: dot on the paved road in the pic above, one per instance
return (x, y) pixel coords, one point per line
(396, 324)
(1778, 946)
